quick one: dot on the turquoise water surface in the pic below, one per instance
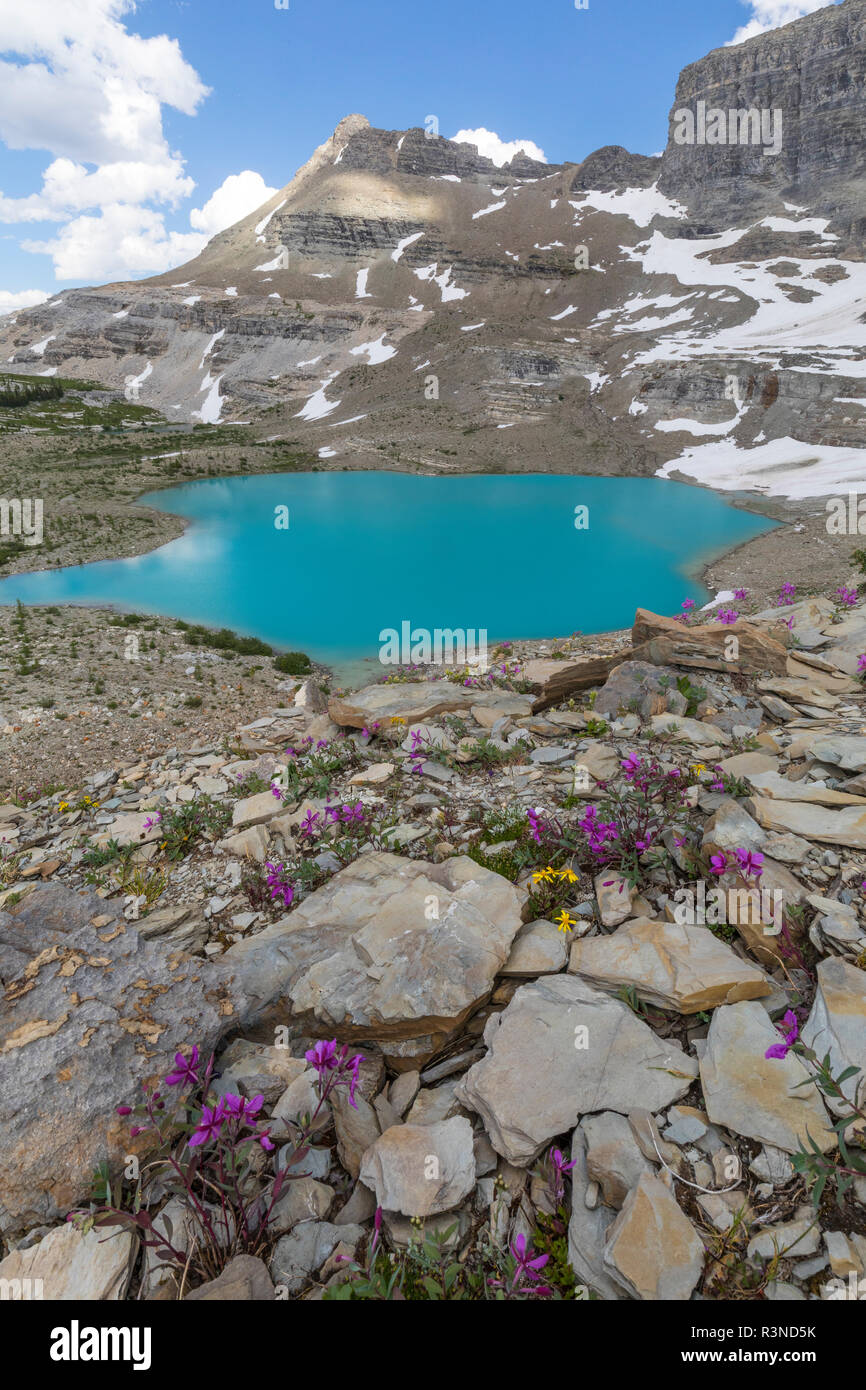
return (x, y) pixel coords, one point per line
(365, 551)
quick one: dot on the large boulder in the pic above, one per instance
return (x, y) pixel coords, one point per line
(391, 950)
(91, 1010)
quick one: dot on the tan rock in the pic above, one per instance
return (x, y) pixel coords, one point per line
(255, 810)
(397, 950)
(694, 731)
(665, 642)
(755, 1096)
(845, 827)
(251, 843)
(74, 1266)
(420, 1170)
(675, 967)
(652, 1248)
(539, 948)
(837, 1024)
(772, 785)
(373, 775)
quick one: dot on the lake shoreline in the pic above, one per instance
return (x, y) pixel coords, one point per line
(171, 526)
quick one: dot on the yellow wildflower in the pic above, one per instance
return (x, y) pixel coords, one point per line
(568, 875)
(699, 767)
(544, 875)
(564, 922)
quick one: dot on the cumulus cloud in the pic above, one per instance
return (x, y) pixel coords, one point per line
(500, 151)
(772, 14)
(10, 300)
(75, 82)
(123, 239)
(236, 197)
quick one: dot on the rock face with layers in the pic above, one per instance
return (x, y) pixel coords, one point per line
(664, 642)
(811, 72)
(95, 1011)
(390, 949)
(560, 1050)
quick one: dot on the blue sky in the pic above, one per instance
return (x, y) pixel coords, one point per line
(131, 133)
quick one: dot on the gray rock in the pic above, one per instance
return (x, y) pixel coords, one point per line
(562, 1049)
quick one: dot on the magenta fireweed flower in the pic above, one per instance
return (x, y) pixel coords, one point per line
(558, 1169)
(847, 597)
(152, 821)
(534, 818)
(790, 1029)
(786, 595)
(861, 662)
(323, 1056)
(741, 595)
(279, 883)
(335, 1068)
(354, 812)
(727, 616)
(630, 765)
(185, 1072)
(306, 825)
(275, 791)
(123, 1110)
(687, 604)
(209, 1126)
(750, 862)
(526, 1267)
(718, 864)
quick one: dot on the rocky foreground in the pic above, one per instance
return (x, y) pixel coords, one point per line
(559, 913)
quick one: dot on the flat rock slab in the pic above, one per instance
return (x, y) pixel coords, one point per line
(556, 680)
(390, 949)
(413, 702)
(652, 1248)
(847, 751)
(665, 642)
(539, 948)
(245, 1279)
(94, 1012)
(755, 1096)
(771, 784)
(837, 1024)
(421, 1170)
(588, 1227)
(829, 827)
(562, 1049)
(73, 1266)
(676, 967)
(693, 731)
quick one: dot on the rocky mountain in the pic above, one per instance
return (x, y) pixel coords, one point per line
(404, 302)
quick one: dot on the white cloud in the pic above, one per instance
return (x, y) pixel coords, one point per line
(500, 151)
(236, 197)
(69, 188)
(74, 81)
(10, 300)
(771, 14)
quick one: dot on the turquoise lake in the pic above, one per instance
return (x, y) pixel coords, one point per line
(365, 551)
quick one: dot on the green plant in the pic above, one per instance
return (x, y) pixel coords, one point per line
(292, 663)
